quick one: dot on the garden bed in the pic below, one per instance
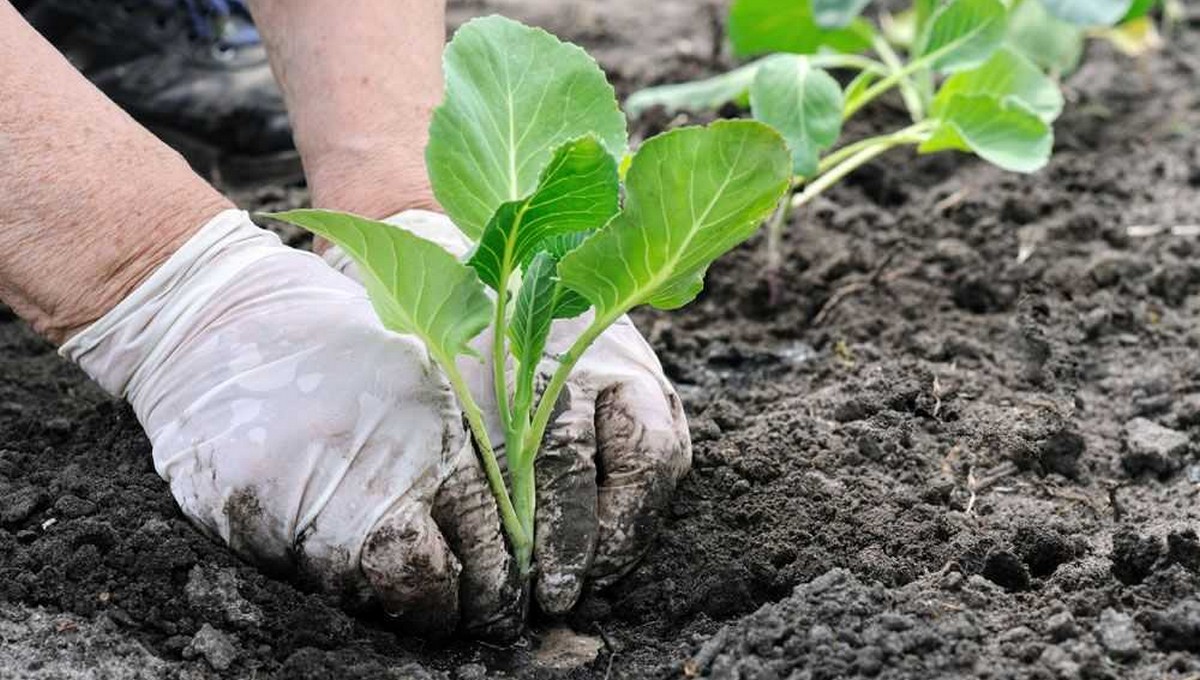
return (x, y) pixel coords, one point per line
(963, 442)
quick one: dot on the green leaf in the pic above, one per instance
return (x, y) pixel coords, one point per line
(415, 285)
(578, 191)
(1003, 132)
(567, 303)
(514, 94)
(924, 9)
(532, 315)
(837, 13)
(962, 34)
(1006, 74)
(700, 95)
(1051, 43)
(1089, 12)
(692, 194)
(803, 103)
(1139, 9)
(764, 26)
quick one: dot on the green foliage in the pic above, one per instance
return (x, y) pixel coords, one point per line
(975, 76)
(763, 26)
(532, 317)
(1090, 12)
(415, 285)
(803, 103)
(1139, 9)
(691, 195)
(523, 154)
(514, 94)
(962, 34)
(837, 13)
(1004, 132)
(1006, 74)
(1051, 43)
(577, 192)
(979, 77)
(700, 95)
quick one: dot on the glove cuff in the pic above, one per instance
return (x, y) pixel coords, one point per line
(118, 350)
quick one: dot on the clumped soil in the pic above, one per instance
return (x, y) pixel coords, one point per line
(961, 443)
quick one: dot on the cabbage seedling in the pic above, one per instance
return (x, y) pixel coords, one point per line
(524, 156)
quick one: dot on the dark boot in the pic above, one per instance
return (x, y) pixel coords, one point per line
(192, 71)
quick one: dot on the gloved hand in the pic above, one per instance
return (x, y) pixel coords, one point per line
(612, 455)
(292, 426)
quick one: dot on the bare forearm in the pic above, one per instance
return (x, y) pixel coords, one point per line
(361, 80)
(91, 202)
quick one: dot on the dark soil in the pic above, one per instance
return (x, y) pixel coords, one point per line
(962, 444)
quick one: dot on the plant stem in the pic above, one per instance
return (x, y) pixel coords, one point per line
(850, 158)
(500, 356)
(913, 133)
(890, 81)
(567, 361)
(912, 98)
(775, 226)
(521, 540)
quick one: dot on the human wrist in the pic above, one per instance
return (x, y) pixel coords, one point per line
(371, 178)
(71, 285)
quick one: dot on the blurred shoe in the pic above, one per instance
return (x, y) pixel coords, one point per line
(193, 71)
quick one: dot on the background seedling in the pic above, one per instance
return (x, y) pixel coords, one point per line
(978, 76)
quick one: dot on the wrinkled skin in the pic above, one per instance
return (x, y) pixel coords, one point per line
(616, 447)
(293, 427)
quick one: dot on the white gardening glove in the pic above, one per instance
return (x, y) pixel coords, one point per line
(614, 451)
(292, 426)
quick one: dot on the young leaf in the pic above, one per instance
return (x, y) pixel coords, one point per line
(1051, 43)
(962, 34)
(764, 26)
(1006, 74)
(803, 103)
(567, 303)
(924, 10)
(691, 195)
(700, 95)
(532, 316)
(1089, 12)
(415, 285)
(514, 94)
(1139, 9)
(1003, 132)
(837, 13)
(578, 191)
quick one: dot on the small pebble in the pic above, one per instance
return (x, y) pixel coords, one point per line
(214, 646)
(1062, 626)
(1118, 636)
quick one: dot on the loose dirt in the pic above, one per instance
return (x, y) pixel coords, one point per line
(962, 443)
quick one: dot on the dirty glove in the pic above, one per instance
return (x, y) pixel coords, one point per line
(293, 427)
(612, 455)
